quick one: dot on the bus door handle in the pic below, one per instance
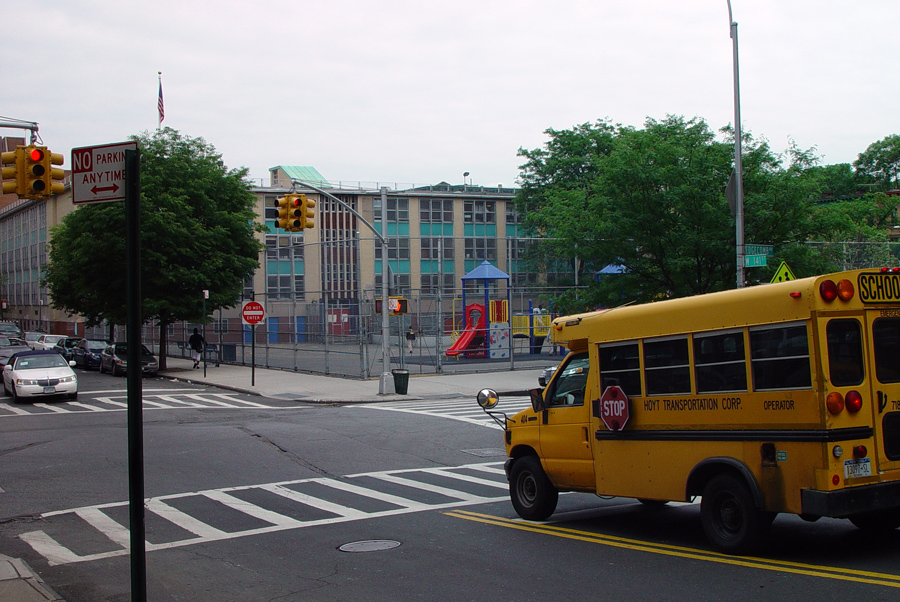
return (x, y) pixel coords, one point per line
(587, 441)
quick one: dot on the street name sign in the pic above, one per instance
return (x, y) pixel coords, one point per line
(754, 261)
(767, 250)
(98, 172)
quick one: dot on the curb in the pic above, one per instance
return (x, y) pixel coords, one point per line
(18, 583)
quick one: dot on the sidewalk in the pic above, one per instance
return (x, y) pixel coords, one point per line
(18, 583)
(316, 388)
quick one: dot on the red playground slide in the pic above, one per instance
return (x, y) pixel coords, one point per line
(467, 335)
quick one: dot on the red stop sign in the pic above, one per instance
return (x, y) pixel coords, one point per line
(614, 411)
(253, 313)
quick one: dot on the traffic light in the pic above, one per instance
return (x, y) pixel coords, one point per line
(13, 162)
(37, 172)
(308, 214)
(57, 186)
(290, 213)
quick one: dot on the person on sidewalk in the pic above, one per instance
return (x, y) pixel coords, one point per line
(196, 343)
(410, 340)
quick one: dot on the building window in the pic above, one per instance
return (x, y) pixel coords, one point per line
(432, 248)
(481, 249)
(432, 284)
(398, 249)
(480, 212)
(397, 209)
(436, 211)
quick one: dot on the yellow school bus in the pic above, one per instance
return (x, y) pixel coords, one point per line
(776, 398)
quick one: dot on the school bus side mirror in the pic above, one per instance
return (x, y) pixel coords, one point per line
(488, 399)
(537, 400)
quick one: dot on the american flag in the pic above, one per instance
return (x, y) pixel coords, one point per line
(160, 106)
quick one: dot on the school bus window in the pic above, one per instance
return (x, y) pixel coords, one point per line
(719, 363)
(845, 354)
(886, 341)
(621, 365)
(569, 386)
(779, 357)
(667, 369)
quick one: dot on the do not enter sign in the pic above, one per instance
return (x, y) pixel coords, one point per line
(614, 411)
(253, 313)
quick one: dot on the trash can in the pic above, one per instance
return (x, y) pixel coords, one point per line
(401, 381)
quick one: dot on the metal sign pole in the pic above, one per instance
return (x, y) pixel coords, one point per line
(135, 392)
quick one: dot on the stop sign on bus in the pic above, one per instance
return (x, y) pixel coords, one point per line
(614, 410)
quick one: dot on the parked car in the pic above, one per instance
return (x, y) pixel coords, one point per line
(31, 337)
(546, 373)
(115, 360)
(8, 329)
(36, 374)
(10, 346)
(66, 346)
(47, 341)
(87, 352)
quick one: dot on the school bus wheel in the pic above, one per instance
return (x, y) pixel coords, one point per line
(731, 521)
(533, 495)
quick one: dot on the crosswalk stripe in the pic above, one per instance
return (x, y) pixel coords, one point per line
(168, 401)
(97, 518)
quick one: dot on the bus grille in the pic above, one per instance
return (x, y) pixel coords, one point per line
(890, 429)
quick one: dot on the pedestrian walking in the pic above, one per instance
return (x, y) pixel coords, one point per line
(410, 340)
(196, 343)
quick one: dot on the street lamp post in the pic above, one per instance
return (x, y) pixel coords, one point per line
(738, 167)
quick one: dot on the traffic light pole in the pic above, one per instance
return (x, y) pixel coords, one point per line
(385, 384)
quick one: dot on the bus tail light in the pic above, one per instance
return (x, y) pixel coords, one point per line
(835, 402)
(829, 291)
(853, 401)
(860, 451)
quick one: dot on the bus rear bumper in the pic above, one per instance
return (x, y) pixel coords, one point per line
(852, 500)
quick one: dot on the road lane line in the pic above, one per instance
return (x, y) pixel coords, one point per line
(182, 519)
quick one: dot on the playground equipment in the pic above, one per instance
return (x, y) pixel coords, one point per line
(488, 335)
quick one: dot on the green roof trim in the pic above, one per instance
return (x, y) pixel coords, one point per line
(302, 172)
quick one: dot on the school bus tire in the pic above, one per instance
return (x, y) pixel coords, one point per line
(878, 521)
(730, 519)
(532, 494)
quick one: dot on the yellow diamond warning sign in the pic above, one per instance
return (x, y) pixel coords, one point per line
(783, 273)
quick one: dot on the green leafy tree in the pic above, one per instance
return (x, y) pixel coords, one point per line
(879, 164)
(197, 233)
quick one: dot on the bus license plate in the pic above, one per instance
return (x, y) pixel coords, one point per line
(49, 390)
(854, 469)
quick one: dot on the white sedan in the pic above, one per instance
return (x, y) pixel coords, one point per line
(31, 374)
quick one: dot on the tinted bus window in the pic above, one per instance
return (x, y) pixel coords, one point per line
(570, 384)
(719, 362)
(779, 358)
(621, 365)
(845, 354)
(666, 367)
(886, 341)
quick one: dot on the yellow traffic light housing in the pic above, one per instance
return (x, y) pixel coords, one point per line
(37, 172)
(308, 215)
(290, 213)
(57, 175)
(13, 165)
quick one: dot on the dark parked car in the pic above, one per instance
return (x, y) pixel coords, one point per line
(115, 360)
(9, 329)
(66, 347)
(87, 352)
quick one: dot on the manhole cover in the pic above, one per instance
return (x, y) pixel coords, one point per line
(371, 545)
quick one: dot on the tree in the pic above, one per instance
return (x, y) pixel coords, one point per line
(197, 233)
(879, 164)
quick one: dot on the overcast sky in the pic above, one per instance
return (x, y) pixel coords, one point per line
(420, 92)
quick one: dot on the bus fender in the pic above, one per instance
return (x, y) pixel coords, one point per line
(710, 467)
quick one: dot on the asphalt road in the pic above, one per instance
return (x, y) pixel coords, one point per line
(252, 499)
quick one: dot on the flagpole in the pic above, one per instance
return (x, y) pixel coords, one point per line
(159, 104)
